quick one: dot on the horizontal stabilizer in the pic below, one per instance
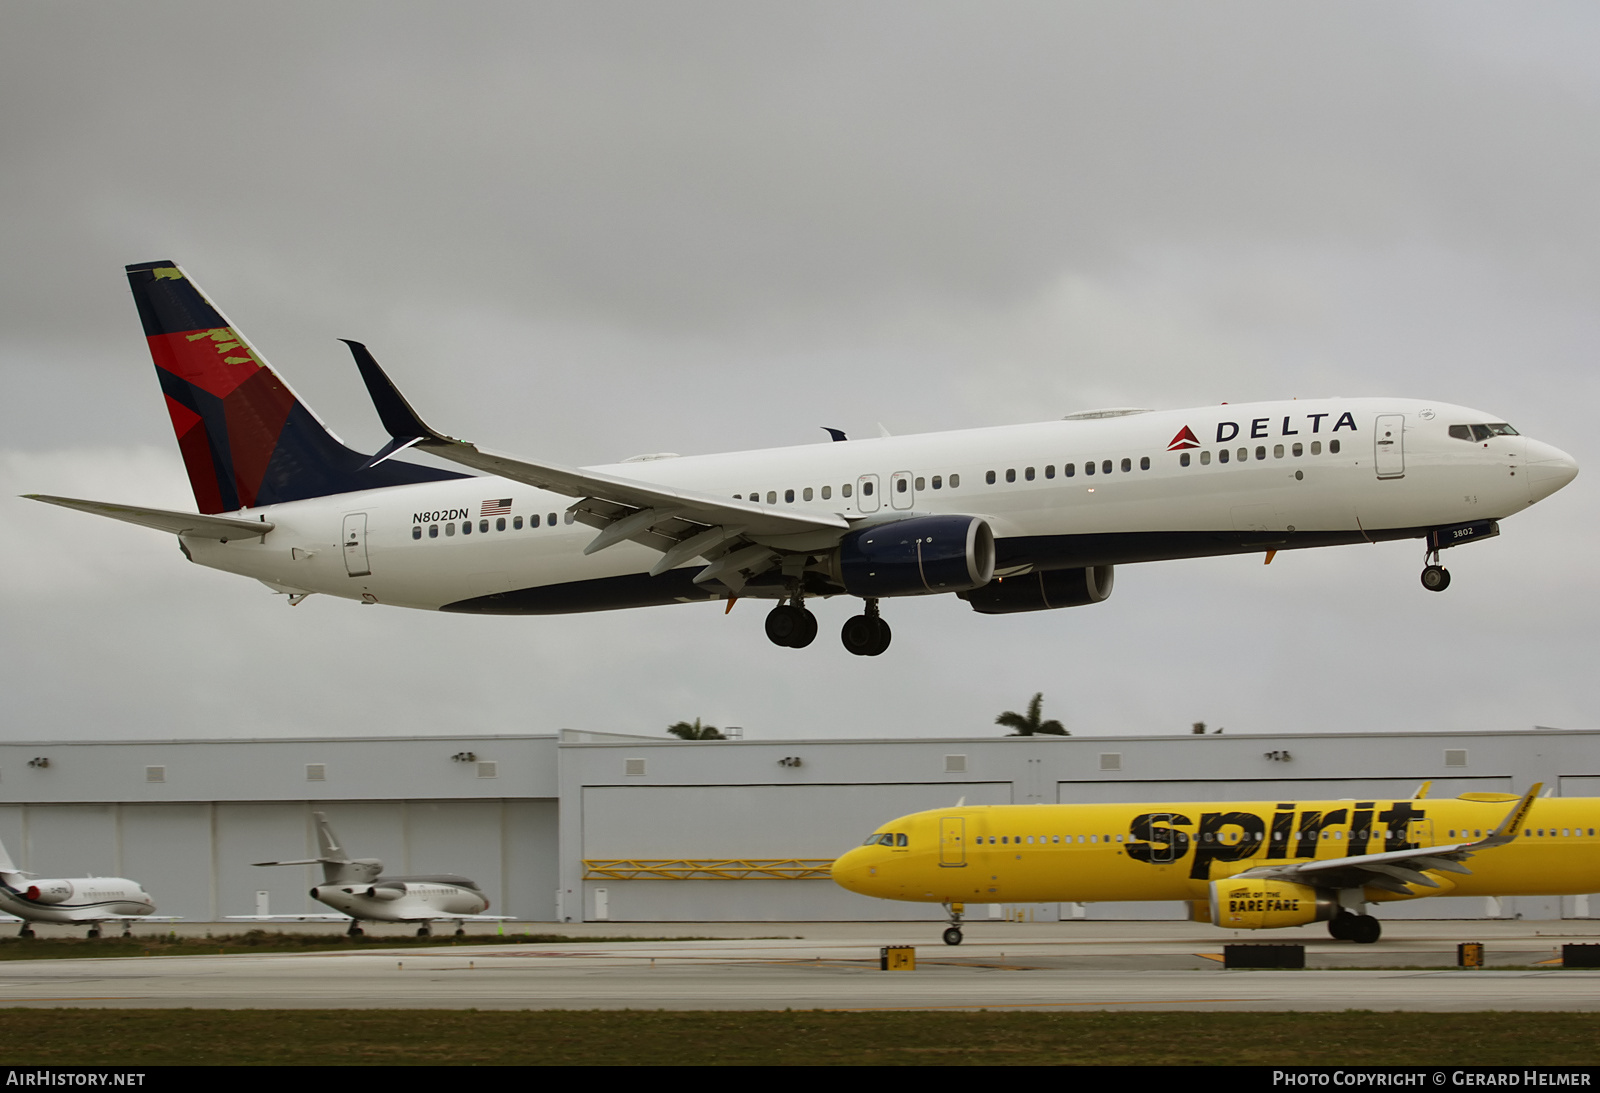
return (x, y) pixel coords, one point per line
(306, 861)
(221, 528)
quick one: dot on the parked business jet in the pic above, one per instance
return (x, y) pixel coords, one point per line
(1242, 866)
(356, 887)
(1014, 518)
(89, 901)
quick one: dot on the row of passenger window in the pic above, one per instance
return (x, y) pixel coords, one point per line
(550, 519)
(1243, 454)
(902, 485)
(1070, 470)
(1184, 836)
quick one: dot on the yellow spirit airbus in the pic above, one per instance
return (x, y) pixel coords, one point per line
(1242, 866)
(1010, 519)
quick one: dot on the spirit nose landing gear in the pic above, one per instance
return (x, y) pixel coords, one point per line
(866, 635)
(952, 933)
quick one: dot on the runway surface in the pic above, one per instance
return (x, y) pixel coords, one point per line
(1038, 967)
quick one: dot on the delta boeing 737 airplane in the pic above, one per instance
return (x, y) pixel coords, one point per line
(1012, 518)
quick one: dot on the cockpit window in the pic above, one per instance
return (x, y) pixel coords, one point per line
(879, 839)
(1482, 432)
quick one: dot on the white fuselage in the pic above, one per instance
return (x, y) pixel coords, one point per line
(1297, 473)
(401, 899)
(76, 899)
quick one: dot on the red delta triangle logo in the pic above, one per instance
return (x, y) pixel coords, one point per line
(1184, 439)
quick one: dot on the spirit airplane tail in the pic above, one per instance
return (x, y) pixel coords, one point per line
(247, 440)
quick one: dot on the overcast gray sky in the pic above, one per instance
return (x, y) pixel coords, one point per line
(582, 231)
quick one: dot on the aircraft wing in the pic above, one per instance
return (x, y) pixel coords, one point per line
(1394, 870)
(682, 524)
(221, 528)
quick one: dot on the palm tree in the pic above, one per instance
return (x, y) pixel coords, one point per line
(696, 731)
(1031, 725)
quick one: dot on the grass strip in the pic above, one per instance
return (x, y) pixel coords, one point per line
(187, 1037)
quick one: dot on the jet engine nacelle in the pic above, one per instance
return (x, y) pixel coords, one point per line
(386, 891)
(1043, 590)
(1243, 903)
(917, 557)
(51, 891)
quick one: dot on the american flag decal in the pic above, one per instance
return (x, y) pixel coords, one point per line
(496, 508)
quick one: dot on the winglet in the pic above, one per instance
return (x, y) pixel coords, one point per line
(1511, 826)
(394, 411)
(1422, 791)
(837, 434)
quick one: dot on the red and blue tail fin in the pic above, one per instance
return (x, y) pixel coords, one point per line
(246, 439)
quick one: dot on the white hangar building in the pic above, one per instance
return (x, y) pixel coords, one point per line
(591, 826)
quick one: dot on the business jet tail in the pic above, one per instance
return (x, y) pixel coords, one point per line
(246, 438)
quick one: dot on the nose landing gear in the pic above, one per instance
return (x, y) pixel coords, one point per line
(952, 933)
(1435, 577)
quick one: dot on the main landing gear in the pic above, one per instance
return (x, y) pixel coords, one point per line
(425, 930)
(1362, 929)
(26, 931)
(355, 929)
(867, 635)
(791, 625)
(1435, 577)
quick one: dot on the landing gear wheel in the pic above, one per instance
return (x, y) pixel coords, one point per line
(808, 635)
(26, 931)
(785, 623)
(94, 931)
(355, 930)
(952, 936)
(1340, 926)
(425, 930)
(865, 635)
(1436, 578)
(1365, 930)
(461, 931)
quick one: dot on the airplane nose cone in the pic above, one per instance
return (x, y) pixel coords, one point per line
(851, 870)
(1549, 468)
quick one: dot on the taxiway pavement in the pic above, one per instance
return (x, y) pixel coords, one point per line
(834, 966)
